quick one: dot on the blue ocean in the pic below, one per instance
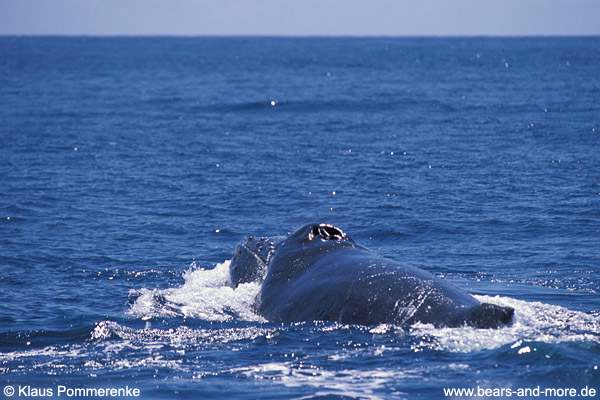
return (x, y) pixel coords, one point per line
(131, 167)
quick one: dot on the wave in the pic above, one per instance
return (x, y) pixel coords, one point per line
(206, 295)
(534, 322)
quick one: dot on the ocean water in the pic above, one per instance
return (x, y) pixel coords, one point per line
(131, 167)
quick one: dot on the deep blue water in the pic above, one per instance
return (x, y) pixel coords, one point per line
(131, 167)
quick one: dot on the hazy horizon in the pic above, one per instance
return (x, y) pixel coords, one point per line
(311, 18)
(284, 36)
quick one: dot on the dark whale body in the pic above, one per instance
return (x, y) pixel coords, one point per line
(320, 273)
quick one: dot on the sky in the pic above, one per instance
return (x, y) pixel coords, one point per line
(301, 17)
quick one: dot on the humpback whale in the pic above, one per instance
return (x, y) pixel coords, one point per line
(320, 273)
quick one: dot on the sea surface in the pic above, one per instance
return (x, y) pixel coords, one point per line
(131, 167)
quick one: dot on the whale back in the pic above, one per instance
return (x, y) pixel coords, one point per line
(322, 274)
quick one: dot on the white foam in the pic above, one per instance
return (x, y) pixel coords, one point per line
(205, 294)
(534, 321)
(180, 336)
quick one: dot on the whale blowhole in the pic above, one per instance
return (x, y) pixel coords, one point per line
(326, 232)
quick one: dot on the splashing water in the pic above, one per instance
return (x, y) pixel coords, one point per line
(534, 321)
(205, 295)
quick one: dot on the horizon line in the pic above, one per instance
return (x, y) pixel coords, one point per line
(293, 36)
